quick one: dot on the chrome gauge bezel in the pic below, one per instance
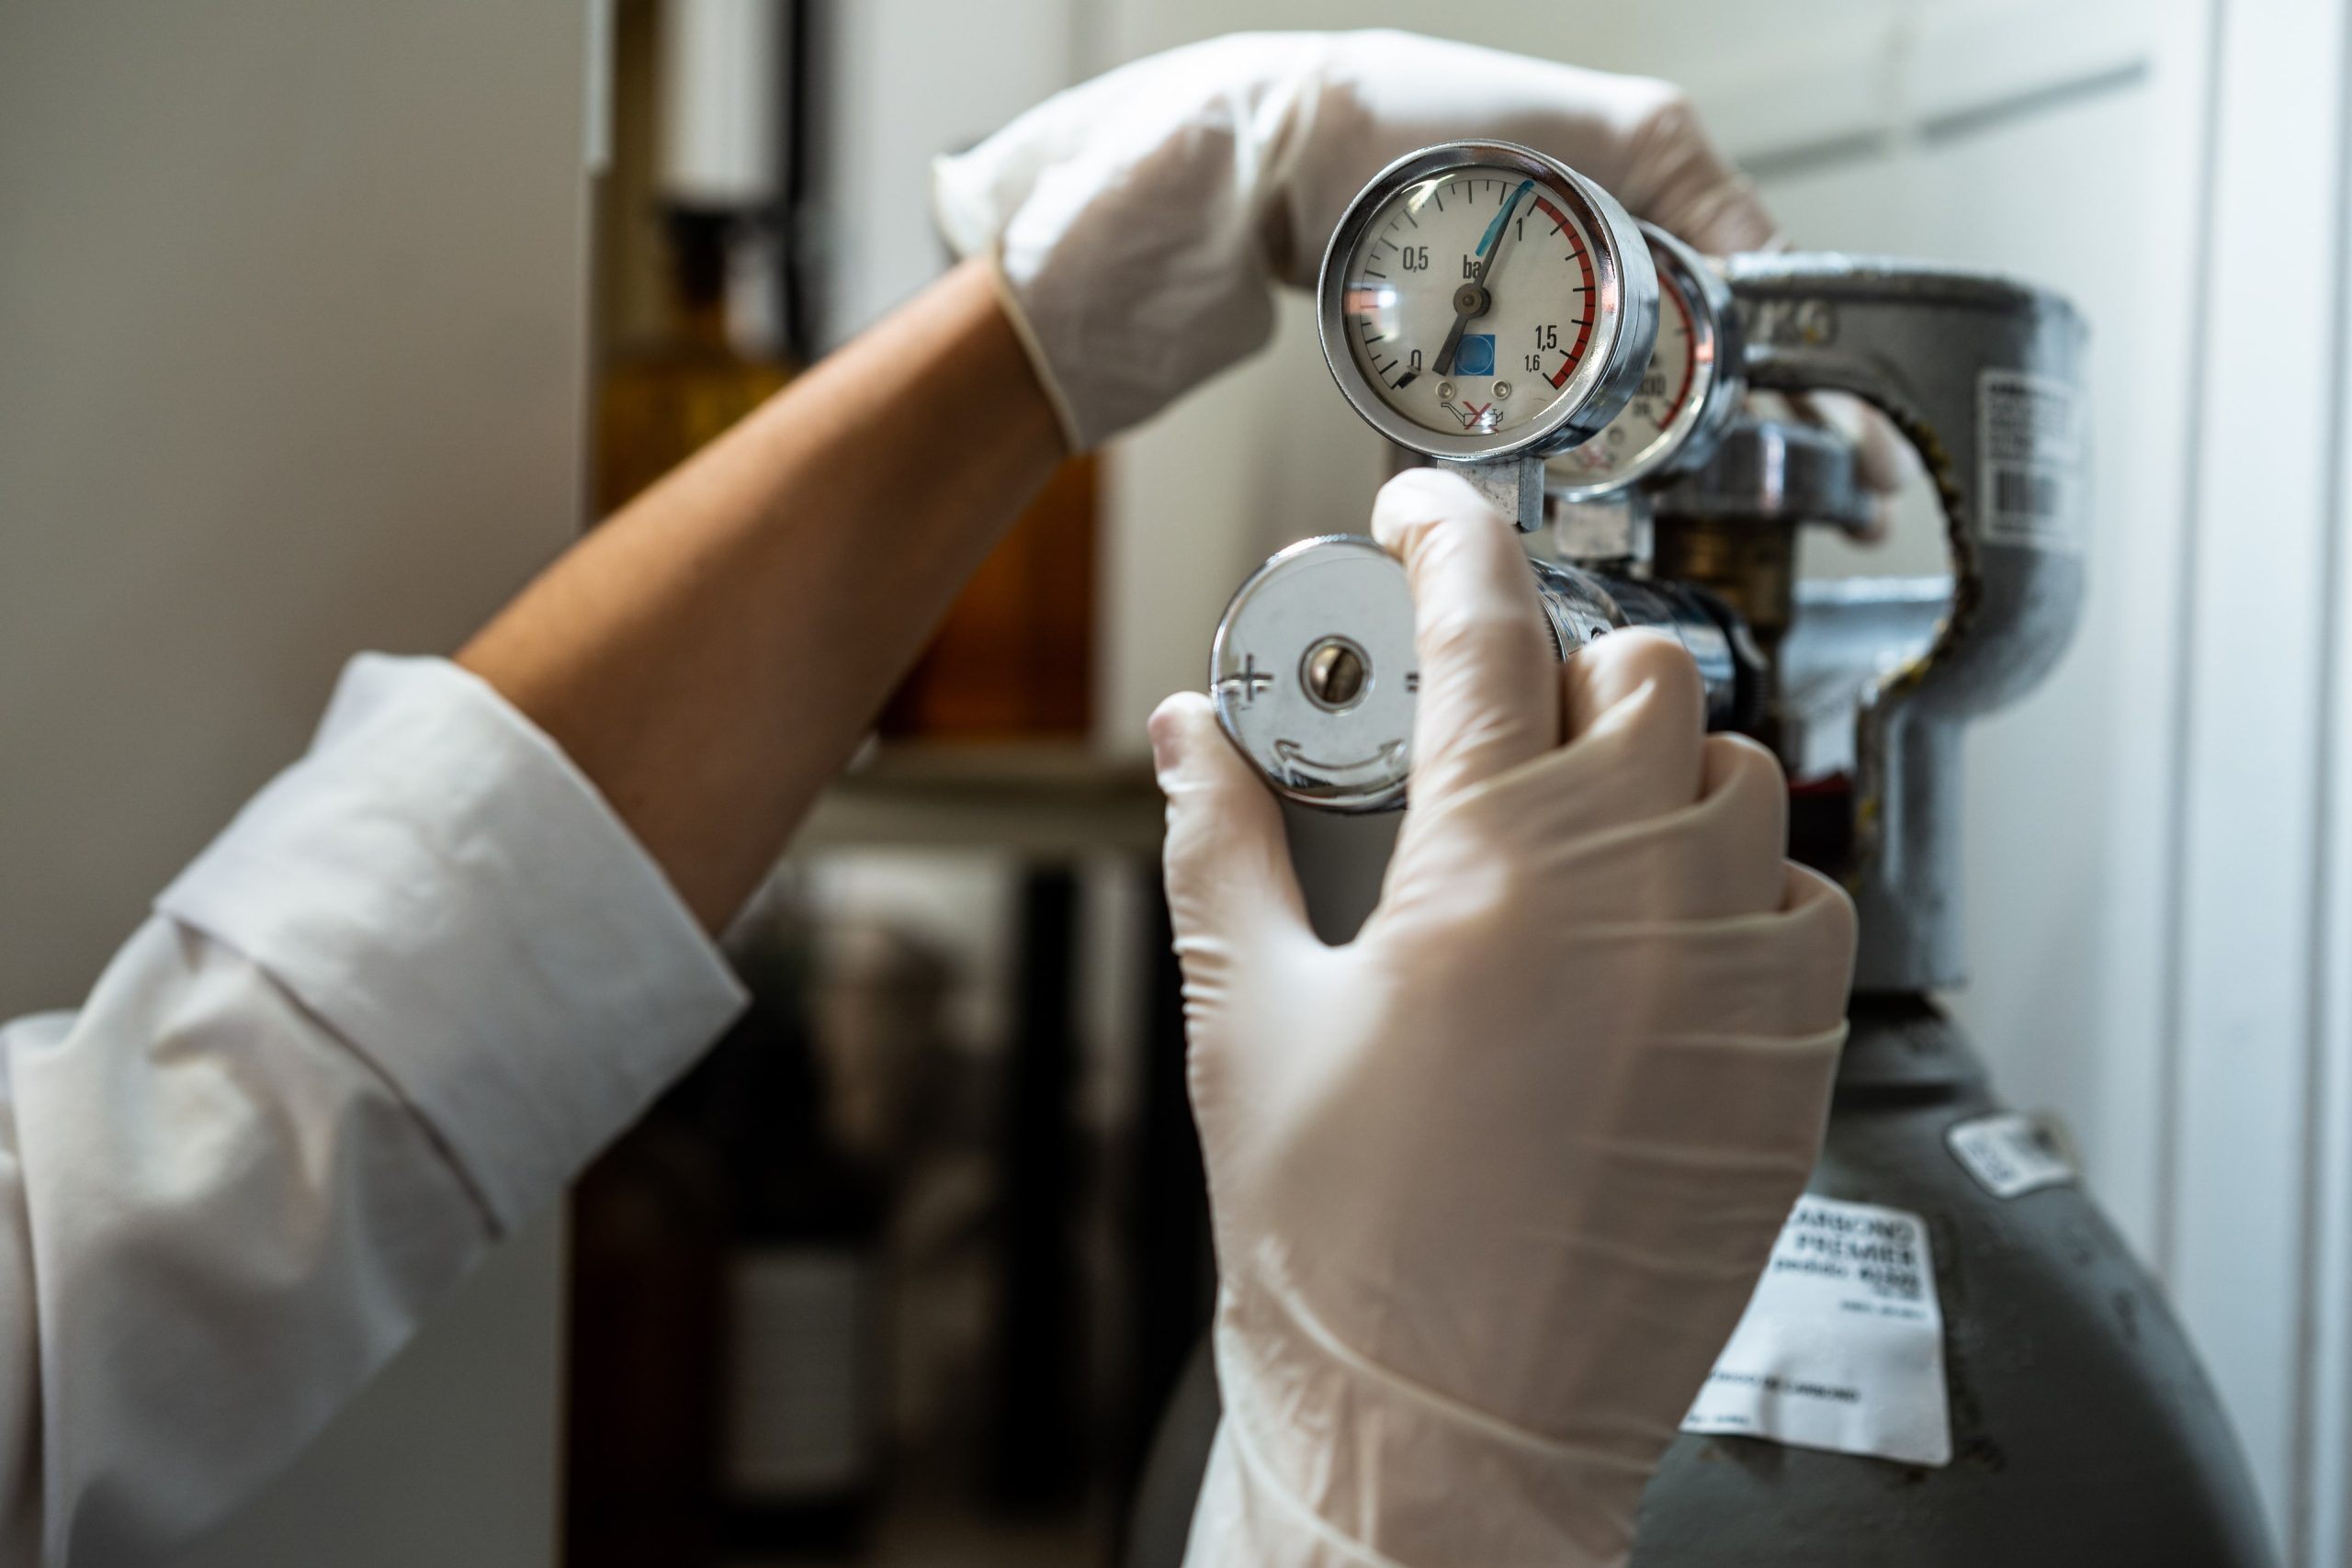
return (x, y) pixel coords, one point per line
(1625, 314)
(1719, 381)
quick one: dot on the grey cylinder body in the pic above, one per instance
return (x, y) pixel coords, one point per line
(2083, 1430)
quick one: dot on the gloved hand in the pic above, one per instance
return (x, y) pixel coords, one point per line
(1139, 220)
(1492, 1182)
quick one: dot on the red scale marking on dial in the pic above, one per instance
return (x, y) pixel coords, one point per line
(1575, 351)
(1672, 296)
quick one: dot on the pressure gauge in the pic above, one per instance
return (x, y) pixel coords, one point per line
(1487, 306)
(1689, 392)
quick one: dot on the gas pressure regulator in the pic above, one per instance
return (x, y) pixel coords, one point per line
(1488, 310)
(1492, 311)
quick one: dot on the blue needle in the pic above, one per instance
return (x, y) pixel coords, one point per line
(1473, 299)
(1496, 227)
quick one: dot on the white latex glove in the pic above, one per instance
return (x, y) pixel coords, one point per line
(1139, 220)
(1492, 1182)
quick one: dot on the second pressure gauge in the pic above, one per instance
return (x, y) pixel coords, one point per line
(1482, 302)
(1688, 393)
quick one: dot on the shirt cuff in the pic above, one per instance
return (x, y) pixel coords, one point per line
(441, 887)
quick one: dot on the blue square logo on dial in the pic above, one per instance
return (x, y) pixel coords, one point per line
(1475, 356)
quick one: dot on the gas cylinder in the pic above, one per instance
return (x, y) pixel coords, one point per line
(2056, 1412)
(2082, 1429)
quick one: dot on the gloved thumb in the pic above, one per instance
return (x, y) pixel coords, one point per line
(1227, 859)
(1489, 696)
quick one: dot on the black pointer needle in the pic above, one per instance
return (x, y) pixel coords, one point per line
(1471, 300)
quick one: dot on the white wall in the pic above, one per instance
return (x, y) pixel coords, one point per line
(291, 364)
(2259, 950)
(898, 82)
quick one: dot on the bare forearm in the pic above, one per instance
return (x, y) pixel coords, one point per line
(710, 656)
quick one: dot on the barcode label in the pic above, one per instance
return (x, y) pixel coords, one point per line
(2030, 457)
(2009, 1154)
(2023, 490)
(1842, 1344)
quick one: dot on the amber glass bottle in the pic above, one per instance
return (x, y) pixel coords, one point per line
(1014, 658)
(661, 402)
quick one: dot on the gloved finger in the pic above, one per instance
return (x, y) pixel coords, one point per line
(1780, 974)
(1674, 176)
(1640, 817)
(1486, 701)
(1739, 829)
(1227, 859)
(1635, 696)
(1716, 858)
(1388, 93)
(1883, 459)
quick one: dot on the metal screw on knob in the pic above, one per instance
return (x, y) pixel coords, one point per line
(1336, 673)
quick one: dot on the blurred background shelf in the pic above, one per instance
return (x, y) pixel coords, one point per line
(1042, 799)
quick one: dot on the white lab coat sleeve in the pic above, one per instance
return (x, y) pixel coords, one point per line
(415, 985)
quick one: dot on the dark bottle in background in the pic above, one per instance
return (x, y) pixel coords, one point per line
(650, 1244)
(803, 1391)
(730, 1310)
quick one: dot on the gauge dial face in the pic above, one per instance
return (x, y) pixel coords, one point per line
(1635, 435)
(1470, 298)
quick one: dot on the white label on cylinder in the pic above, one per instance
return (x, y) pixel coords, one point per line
(1842, 1344)
(2029, 460)
(800, 1397)
(2009, 1154)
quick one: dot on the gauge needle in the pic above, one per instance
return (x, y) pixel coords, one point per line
(1471, 300)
